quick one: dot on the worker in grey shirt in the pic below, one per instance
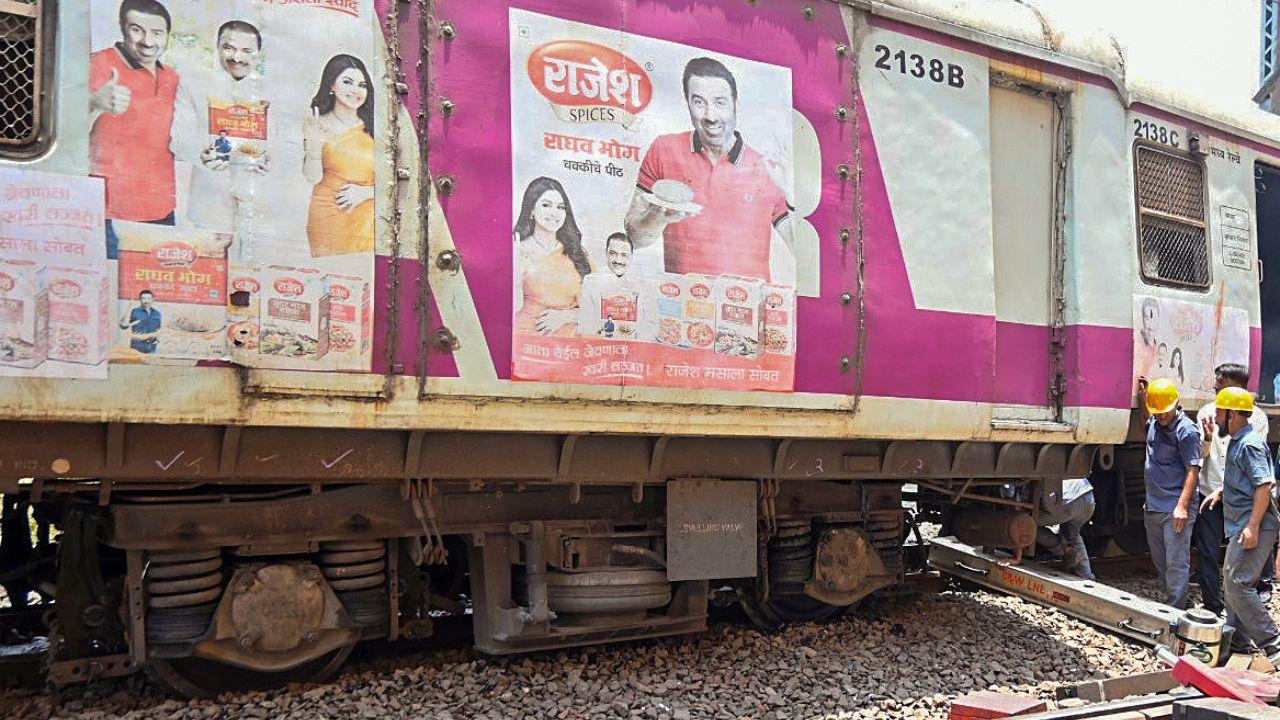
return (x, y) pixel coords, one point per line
(1070, 510)
(1209, 531)
(1251, 520)
(1171, 472)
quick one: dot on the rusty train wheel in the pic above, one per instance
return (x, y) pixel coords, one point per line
(791, 556)
(778, 610)
(198, 677)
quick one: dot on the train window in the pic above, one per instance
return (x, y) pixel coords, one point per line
(22, 50)
(1173, 245)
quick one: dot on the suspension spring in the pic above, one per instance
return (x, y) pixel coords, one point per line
(183, 579)
(791, 556)
(357, 573)
(182, 588)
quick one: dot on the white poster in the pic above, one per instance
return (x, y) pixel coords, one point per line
(1184, 341)
(55, 294)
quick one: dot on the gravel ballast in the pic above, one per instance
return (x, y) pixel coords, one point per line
(891, 658)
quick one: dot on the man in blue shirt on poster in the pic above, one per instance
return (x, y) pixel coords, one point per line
(143, 324)
(1252, 524)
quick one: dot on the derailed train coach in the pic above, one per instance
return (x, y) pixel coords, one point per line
(325, 319)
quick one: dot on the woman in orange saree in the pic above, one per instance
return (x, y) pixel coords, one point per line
(338, 157)
(552, 261)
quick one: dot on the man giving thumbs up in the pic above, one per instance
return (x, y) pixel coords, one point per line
(131, 96)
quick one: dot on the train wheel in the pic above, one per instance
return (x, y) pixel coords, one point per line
(199, 677)
(1132, 539)
(791, 555)
(778, 610)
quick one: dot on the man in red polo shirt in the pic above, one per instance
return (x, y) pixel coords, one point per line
(741, 204)
(131, 111)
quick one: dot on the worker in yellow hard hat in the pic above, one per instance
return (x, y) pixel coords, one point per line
(1252, 524)
(1171, 472)
(1209, 531)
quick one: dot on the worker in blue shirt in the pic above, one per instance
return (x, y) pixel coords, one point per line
(1252, 524)
(1071, 509)
(143, 324)
(1171, 474)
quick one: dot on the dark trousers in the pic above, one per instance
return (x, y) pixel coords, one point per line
(1206, 542)
(1207, 536)
(113, 240)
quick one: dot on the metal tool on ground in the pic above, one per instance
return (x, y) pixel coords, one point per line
(1199, 633)
(1121, 612)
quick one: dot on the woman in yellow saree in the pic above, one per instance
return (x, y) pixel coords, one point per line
(552, 262)
(338, 157)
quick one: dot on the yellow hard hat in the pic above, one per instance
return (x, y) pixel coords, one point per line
(1162, 396)
(1235, 398)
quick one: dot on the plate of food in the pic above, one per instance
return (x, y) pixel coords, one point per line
(673, 195)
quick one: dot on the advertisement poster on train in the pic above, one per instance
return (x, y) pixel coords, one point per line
(652, 212)
(1184, 341)
(54, 280)
(236, 143)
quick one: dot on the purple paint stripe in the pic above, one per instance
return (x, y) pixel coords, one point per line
(1098, 362)
(1021, 364)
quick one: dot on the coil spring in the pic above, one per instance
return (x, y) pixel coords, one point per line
(791, 556)
(183, 579)
(885, 532)
(357, 573)
(183, 588)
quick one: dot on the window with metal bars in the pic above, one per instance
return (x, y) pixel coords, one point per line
(1173, 246)
(21, 66)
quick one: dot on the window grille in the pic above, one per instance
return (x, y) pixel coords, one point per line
(1172, 236)
(21, 47)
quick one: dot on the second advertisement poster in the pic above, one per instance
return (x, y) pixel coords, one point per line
(652, 211)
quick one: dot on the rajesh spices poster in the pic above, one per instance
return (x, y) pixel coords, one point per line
(54, 283)
(652, 208)
(236, 144)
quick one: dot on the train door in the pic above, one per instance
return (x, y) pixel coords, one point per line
(1267, 187)
(1025, 224)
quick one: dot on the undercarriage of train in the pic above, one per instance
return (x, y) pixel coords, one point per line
(212, 586)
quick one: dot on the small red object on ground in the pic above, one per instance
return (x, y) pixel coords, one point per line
(1211, 682)
(1264, 687)
(985, 704)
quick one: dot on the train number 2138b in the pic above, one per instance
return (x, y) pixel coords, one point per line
(918, 66)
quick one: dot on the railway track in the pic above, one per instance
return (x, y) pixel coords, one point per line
(900, 656)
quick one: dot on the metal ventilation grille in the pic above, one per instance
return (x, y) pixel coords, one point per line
(1171, 230)
(19, 71)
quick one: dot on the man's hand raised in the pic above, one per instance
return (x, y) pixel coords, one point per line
(111, 97)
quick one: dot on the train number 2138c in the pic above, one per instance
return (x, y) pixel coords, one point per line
(918, 66)
(1155, 133)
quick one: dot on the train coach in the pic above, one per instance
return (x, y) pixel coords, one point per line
(324, 320)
